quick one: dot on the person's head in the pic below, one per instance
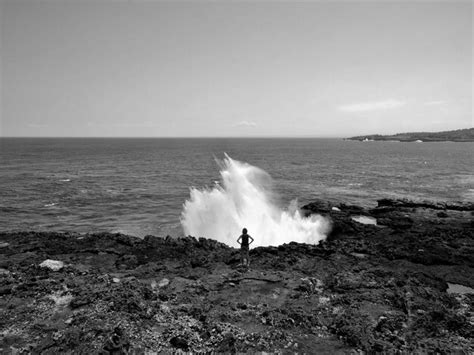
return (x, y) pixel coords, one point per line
(244, 231)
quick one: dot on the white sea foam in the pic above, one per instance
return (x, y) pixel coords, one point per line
(244, 198)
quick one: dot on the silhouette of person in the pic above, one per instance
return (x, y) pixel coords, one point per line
(243, 240)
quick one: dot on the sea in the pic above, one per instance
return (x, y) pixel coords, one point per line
(139, 186)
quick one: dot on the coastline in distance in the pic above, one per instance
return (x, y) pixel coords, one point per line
(459, 135)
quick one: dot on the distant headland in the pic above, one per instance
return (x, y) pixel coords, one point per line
(459, 135)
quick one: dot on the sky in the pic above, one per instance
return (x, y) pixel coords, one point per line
(111, 68)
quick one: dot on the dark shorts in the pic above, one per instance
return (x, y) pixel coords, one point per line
(244, 252)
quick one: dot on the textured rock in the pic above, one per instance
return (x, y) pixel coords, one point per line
(54, 265)
(367, 288)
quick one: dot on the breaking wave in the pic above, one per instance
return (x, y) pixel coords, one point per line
(245, 198)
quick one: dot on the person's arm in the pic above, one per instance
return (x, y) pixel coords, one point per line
(238, 240)
(251, 240)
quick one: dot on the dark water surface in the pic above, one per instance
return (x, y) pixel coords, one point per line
(138, 186)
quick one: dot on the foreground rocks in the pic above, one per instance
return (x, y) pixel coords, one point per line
(375, 288)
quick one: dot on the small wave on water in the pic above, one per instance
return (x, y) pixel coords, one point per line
(50, 204)
(246, 199)
(469, 195)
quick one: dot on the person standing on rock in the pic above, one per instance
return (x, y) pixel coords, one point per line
(244, 247)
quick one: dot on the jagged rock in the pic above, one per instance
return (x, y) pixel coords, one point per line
(163, 282)
(405, 203)
(117, 343)
(227, 344)
(179, 342)
(396, 221)
(5, 290)
(54, 265)
(365, 288)
(318, 206)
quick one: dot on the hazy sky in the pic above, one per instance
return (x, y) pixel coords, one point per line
(153, 68)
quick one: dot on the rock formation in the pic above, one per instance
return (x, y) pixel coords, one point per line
(383, 287)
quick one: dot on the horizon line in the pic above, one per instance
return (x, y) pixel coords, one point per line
(178, 137)
(239, 137)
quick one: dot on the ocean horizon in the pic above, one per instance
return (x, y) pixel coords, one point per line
(138, 186)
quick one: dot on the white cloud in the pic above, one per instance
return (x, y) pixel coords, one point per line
(437, 102)
(372, 106)
(36, 125)
(145, 124)
(245, 124)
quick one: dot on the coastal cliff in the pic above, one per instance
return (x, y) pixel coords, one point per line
(395, 277)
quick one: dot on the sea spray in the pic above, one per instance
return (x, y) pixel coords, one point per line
(245, 198)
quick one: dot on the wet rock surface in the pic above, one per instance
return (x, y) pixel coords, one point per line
(375, 288)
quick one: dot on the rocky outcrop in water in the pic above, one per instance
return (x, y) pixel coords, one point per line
(404, 203)
(377, 287)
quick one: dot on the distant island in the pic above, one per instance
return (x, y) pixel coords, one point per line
(460, 135)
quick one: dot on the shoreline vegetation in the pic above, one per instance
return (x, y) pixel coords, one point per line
(460, 135)
(395, 278)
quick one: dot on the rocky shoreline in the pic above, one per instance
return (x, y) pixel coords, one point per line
(402, 280)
